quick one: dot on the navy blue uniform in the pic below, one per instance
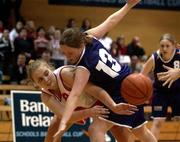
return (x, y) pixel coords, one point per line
(107, 73)
(164, 96)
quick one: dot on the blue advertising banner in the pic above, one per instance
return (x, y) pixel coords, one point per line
(149, 4)
(31, 119)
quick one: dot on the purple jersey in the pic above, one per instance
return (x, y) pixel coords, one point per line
(104, 70)
(108, 74)
(174, 62)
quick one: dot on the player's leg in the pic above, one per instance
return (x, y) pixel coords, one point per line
(144, 134)
(122, 134)
(156, 126)
(139, 127)
(98, 129)
(52, 129)
(160, 103)
(175, 105)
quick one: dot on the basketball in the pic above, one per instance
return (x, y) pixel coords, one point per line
(136, 88)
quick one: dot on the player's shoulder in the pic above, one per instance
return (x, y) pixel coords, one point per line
(155, 54)
(68, 68)
(64, 69)
(178, 51)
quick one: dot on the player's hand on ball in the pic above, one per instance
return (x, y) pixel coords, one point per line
(125, 109)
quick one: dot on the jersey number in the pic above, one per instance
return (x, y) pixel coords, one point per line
(102, 64)
(176, 64)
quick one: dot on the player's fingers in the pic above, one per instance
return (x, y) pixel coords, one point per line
(132, 107)
(170, 83)
(104, 116)
(161, 74)
(166, 67)
(126, 105)
(129, 112)
(163, 78)
(104, 111)
(167, 81)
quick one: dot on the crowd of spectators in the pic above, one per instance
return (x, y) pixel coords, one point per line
(25, 41)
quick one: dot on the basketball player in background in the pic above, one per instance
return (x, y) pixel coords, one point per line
(55, 86)
(164, 96)
(95, 64)
(171, 75)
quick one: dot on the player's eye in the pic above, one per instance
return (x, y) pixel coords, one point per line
(40, 80)
(165, 45)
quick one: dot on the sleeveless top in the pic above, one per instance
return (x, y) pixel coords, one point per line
(84, 101)
(173, 62)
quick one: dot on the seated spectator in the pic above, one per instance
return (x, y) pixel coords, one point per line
(1, 77)
(23, 44)
(46, 56)
(31, 29)
(114, 50)
(18, 71)
(41, 43)
(125, 59)
(86, 25)
(50, 32)
(15, 31)
(121, 45)
(5, 52)
(1, 28)
(58, 59)
(135, 61)
(135, 48)
(71, 23)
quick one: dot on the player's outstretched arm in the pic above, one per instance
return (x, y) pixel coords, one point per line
(148, 66)
(104, 97)
(80, 80)
(112, 20)
(99, 94)
(57, 108)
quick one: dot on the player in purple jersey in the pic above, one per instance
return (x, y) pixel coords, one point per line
(94, 63)
(164, 96)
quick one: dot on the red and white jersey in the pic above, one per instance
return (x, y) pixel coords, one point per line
(84, 101)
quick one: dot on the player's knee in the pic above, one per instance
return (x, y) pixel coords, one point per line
(158, 123)
(121, 134)
(140, 131)
(92, 129)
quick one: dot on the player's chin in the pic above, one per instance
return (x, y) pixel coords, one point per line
(71, 62)
(49, 86)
